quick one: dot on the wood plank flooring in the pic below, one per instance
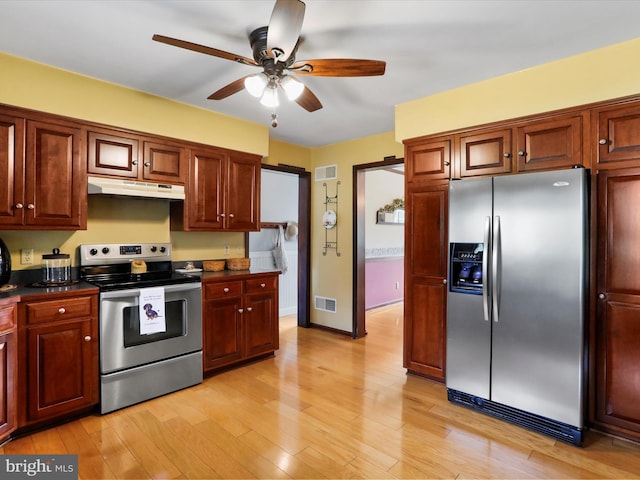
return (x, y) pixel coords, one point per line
(325, 406)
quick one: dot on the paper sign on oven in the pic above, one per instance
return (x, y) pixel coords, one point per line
(152, 311)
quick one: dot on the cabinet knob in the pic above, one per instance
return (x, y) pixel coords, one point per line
(249, 309)
(87, 338)
(19, 206)
(262, 285)
(602, 296)
(225, 289)
(134, 162)
(222, 214)
(522, 153)
(240, 310)
(147, 164)
(231, 215)
(62, 310)
(31, 206)
(506, 155)
(446, 164)
(603, 141)
(444, 281)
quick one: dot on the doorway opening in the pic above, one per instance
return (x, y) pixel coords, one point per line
(370, 257)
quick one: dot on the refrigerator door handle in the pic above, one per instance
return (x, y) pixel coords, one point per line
(485, 268)
(495, 269)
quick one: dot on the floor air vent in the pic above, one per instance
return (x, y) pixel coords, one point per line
(325, 304)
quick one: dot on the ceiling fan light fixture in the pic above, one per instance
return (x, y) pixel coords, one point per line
(270, 97)
(255, 84)
(292, 87)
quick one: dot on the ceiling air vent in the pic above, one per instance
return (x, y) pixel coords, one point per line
(325, 304)
(328, 172)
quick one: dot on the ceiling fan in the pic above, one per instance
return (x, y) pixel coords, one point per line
(274, 50)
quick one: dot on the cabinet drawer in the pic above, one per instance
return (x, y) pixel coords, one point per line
(222, 289)
(55, 310)
(261, 284)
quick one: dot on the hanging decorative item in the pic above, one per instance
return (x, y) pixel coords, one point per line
(330, 220)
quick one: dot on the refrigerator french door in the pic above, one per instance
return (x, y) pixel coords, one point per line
(516, 299)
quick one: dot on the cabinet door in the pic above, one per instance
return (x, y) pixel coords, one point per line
(164, 163)
(243, 190)
(485, 153)
(204, 206)
(260, 323)
(11, 169)
(617, 385)
(62, 368)
(619, 134)
(222, 336)
(8, 382)
(113, 154)
(425, 280)
(56, 191)
(428, 161)
(550, 144)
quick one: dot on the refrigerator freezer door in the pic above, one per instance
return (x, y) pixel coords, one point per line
(468, 333)
(538, 342)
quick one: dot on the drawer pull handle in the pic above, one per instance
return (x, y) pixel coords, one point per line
(87, 338)
(62, 310)
(225, 289)
(262, 285)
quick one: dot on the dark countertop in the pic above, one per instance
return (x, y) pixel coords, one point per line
(23, 292)
(237, 273)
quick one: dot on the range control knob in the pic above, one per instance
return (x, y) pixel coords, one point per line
(93, 251)
(154, 249)
(105, 250)
(163, 249)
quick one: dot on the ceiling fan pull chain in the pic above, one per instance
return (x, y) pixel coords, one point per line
(274, 119)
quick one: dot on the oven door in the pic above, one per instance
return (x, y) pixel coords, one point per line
(122, 345)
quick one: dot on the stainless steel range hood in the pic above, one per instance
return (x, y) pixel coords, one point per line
(134, 188)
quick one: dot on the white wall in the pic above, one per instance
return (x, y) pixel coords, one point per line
(381, 187)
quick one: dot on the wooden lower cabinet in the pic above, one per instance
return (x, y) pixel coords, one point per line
(617, 320)
(239, 318)
(426, 216)
(58, 369)
(8, 368)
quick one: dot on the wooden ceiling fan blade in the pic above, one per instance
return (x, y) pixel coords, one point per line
(204, 49)
(228, 90)
(284, 29)
(308, 100)
(339, 67)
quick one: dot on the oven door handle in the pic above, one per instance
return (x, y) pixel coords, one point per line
(130, 292)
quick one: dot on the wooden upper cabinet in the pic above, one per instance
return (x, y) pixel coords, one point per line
(550, 144)
(485, 152)
(55, 177)
(618, 134)
(119, 154)
(223, 193)
(243, 192)
(428, 161)
(11, 169)
(113, 155)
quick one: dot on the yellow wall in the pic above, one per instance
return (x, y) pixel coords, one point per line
(602, 74)
(288, 154)
(331, 276)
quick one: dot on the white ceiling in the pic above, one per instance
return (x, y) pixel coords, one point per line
(429, 46)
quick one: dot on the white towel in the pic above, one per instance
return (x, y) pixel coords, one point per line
(279, 255)
(152, 311)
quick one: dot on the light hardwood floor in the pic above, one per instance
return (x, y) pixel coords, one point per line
(325, 406)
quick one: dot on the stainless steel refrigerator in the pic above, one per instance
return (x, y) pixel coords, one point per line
(516, 299)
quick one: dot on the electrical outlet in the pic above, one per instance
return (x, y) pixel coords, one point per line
(238, 249)
(226, 249)
(26, 256)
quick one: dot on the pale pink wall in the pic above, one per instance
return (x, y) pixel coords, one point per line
(381, 276)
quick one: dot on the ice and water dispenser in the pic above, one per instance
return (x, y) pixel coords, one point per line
(465, 269)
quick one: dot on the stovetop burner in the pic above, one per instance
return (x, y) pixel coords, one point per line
(108, 266)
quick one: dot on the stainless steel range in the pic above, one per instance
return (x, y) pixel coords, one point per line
(150, 322)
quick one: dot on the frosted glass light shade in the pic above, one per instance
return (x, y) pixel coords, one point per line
(255, 84)
(292, 87)
(270, 98)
